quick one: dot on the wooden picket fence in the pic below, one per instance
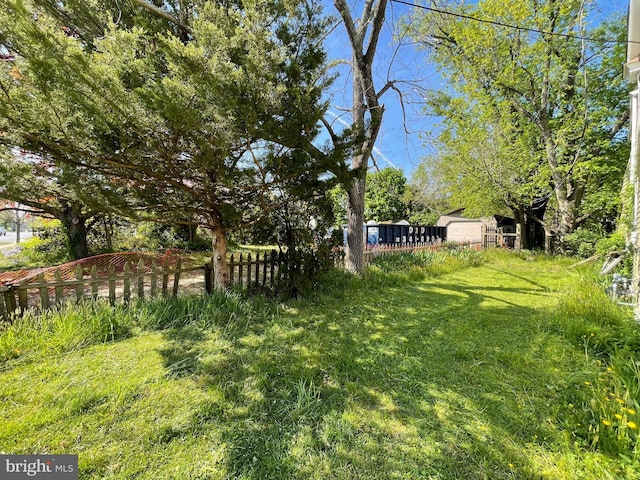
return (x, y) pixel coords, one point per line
(143, 280)
(135, 279)
(139, 280)
(246, 270)
(374, 251)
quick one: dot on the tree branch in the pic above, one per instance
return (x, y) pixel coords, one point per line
(378, 21)
(161, 13)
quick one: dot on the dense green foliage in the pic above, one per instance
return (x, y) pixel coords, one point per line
(384, 198)
(492, 371)
(426, 197)
(201, 114)
(533, 123)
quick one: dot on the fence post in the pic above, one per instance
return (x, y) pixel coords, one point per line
(23, 299)
(165, 278)
(112, 284)
(4, 315)
(127, 283)
(264, 269)
(176, 278)
(257, 269)
(59, 290)
(44, 291)
(94, 283)
(208, 276)
(80, 284)
(249, 265)
(140, 279)
(12, 298)
(10, 302)
(154, 278)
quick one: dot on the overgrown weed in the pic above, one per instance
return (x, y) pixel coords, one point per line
(603, 402)
(415, 266)
(72, 326)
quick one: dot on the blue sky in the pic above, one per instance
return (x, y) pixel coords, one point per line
(403, 144)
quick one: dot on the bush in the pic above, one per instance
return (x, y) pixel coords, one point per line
(50, 247)
(582, 242)
(148, 236)
(303, 268)
(616, 242)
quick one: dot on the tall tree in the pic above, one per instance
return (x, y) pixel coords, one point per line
(366, 112)
(202, 110)
(41, 189)
(427, 196)
(488, 165)
(543, 78)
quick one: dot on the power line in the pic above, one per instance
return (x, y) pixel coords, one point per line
(506, 25)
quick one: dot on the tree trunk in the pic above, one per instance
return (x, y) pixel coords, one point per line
(354, 260)
(107, 223)
(548, 240)
(365, 101)
(75, 225)
(219, 257)
(18, 226)
(564, 192)
(520, 218)
(567, 220)
(78, 239)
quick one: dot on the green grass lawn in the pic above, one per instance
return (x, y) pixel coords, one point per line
(463, 375)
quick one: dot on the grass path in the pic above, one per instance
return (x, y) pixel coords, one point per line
(455, 377)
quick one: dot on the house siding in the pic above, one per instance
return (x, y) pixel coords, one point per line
(468, 231)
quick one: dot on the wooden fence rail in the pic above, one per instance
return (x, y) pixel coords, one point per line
(42, 293)
(383, 250)
(139, 280)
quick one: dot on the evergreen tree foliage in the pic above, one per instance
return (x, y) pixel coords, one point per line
(194, 112)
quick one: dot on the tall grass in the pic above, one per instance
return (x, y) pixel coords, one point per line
(219, 308)
(73, 326)
(603, 402)
(417, 265)
(586, 315)
(380, 376)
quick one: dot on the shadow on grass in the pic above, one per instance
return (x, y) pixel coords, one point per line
(181, 356)
(408, 381)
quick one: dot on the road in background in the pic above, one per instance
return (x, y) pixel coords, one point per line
(10, 238)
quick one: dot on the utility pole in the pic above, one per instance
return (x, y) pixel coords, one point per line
(631, 74)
